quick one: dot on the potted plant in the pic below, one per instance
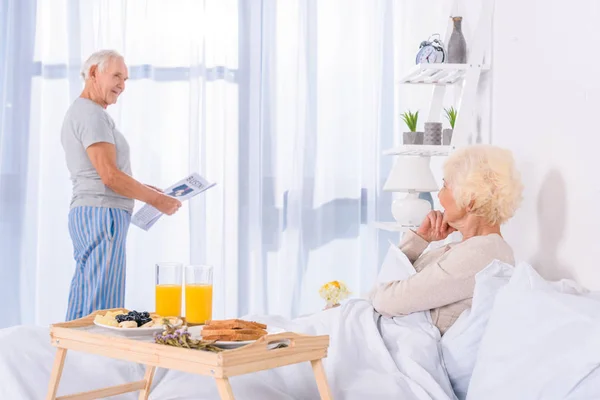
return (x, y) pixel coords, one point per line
(447, 134)
(433, 133)
(411, 137)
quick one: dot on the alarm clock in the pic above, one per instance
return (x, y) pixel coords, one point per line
(431, 51)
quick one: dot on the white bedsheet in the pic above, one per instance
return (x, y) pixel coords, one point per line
(369, 357)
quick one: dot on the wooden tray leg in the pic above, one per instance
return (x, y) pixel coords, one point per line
(224, 389)
(57, 368)
(148, 376)
(321, 377)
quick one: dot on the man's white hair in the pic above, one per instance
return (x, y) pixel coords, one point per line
(99, 58)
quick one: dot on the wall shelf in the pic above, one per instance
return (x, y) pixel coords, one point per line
(422, 150)
(394, 226)
(439, 73)
(440, 76)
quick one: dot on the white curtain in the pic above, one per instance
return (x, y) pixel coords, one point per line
(287, 105)
(321, 128)
(17, 27)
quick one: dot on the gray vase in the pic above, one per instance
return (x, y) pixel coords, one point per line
(447, 136)
(457, 47)
(433, 133)
(412, 138)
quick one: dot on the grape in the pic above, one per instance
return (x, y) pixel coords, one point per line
(139, 318)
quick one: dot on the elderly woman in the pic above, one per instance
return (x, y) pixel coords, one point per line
(97, 156)
(482, 190)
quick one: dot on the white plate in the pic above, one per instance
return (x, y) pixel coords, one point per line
(196, 333)
(136, 331)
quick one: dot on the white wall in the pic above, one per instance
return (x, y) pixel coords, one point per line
(546, 108)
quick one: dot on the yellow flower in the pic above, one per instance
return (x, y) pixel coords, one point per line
(334, 292)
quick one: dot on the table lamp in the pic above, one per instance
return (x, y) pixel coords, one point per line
(412, 175)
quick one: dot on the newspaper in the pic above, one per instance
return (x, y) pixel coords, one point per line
(183, 190)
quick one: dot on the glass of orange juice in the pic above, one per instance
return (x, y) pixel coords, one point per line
(168, 289)
(198, 293)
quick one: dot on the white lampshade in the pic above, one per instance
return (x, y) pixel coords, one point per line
(411, 174)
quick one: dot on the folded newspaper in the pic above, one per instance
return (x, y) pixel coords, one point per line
(183, 190)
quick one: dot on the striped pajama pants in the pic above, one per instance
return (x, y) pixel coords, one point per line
(99, 235)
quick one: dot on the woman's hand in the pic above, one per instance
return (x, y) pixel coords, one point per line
(166, 204)
(434, 228)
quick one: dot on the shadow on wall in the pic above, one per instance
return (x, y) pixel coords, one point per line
(552, 219)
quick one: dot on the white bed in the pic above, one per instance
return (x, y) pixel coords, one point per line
(492, 352)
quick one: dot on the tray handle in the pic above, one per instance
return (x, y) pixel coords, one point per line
(273, 342)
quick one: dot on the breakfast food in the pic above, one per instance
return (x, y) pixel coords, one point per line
(133, 319)
(233, 330)
(134, 316)
(128, 324)
(108, 318)
(234, 324)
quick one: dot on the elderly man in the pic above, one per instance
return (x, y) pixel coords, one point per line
(97, 156)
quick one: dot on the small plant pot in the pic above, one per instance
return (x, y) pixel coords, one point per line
(412, 138)
(447, 136)
(433, 133)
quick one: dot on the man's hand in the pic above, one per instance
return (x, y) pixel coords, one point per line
(166, 204)
(434, 228)
(155, 188)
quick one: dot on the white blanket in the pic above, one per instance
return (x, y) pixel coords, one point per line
(369, 357)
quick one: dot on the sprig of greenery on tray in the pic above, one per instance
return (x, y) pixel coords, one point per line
(182, 338)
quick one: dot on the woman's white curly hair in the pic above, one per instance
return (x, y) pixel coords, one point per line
(485, 177)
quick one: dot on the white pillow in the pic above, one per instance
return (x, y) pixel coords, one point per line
(542, 342)
(395, 267)
(461, 342)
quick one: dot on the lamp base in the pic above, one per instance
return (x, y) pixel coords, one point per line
(410, 210)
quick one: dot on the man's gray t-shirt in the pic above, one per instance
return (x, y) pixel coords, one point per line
(86, 123)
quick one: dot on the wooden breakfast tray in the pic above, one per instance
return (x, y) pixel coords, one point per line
(76, 335)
